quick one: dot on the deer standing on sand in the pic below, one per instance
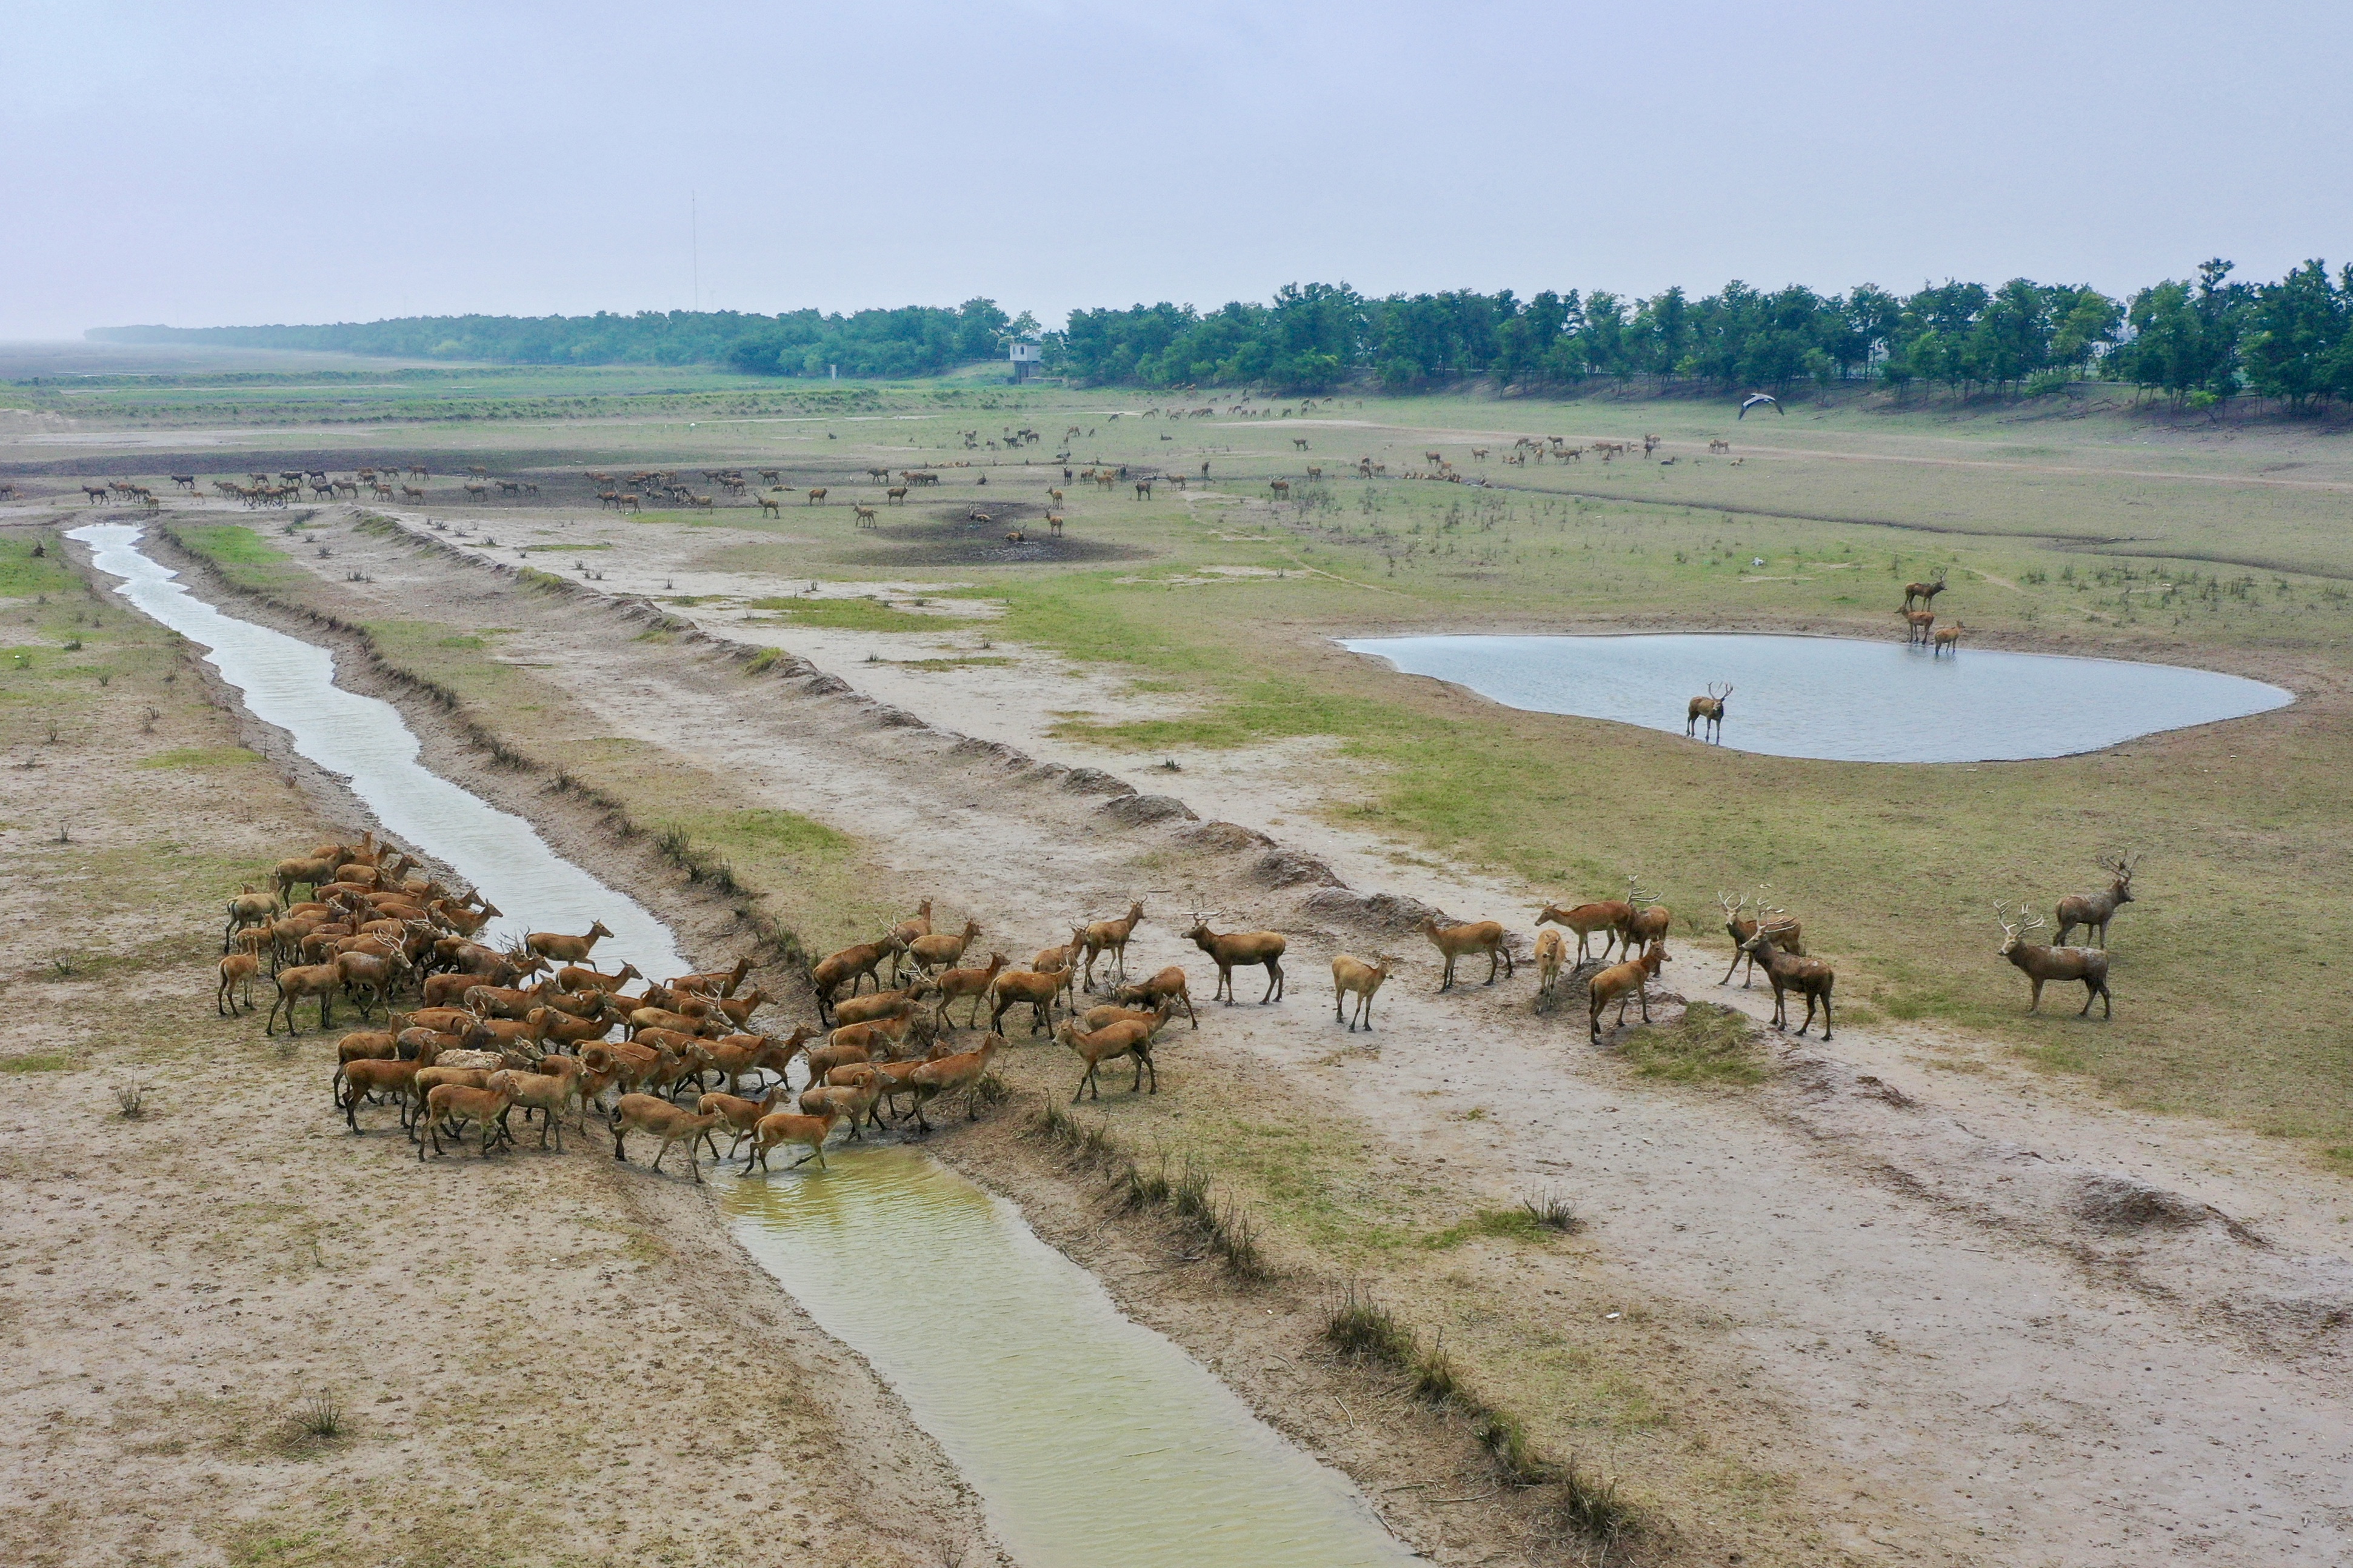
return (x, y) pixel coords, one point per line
(1925, 592)
(1239, 947)
(1788, 971)
(1622, 983)
(1479, 936)
(1354, 977)
(1921, 624)
(1710, 710)
(2094, 911)
(2040, 965)
(1785, 933)
(1611, 915)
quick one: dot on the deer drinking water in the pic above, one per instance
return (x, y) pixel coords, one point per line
(1710, 710)
(2041, 965)
(2095, 910)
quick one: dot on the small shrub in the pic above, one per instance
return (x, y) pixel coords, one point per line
(992, 1090)
(1549, 1210)
(1506, 1441)
(133, 1098)
(1592, 1505)
(73, 645)
(1363, 1330)
(1434, 1376)
(321, 1414)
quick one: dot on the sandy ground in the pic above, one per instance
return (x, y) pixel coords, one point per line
(537, 1358)
(1998, 1321)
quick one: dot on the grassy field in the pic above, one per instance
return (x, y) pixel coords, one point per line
(2063, 525)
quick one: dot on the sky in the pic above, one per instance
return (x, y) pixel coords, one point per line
(229, 164)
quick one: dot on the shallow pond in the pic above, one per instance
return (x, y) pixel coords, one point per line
(1094, 1442)
(1838, 699)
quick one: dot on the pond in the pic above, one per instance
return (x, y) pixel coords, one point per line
(1838, 699)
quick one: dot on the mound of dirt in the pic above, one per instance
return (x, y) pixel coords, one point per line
(1137, 809)
(2120, 1203)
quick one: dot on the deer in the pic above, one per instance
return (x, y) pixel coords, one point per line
(658, 1118)
(1353, 977)
(851, 963)
(1018, 986)
(455, 1104)
(854, 1099)
(1611, 915)
(2094, 911)
(1480, 936)
(2041, 965)
(235, 969)
(1739, 928)
(1127, 1037)
(558, 948)
(816, 496)
(1168, 983)
(547, 1093)
(1707, 709)
(784, 1127)
(319, 980)
(1624, 983)
(956, 985)
(1947, 639)
(1239, 947)
(865, 515)
(1112, 937)
(248, 909)
(962, 1071)
(1552, 951)
(941, 951)
(1921, 624)
(1791, 971)
(1923, 593)
(1650, 923)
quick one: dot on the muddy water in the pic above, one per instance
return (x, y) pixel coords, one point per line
(1838, 699)
(1094, 1442)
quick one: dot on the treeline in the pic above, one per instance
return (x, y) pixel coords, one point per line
(917, 340)
(2200, 341)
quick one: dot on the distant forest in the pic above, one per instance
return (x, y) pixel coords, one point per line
(2200, 341)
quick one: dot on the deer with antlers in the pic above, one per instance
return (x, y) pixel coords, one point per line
(1810, 977)
(2041, 965)
(2095, 910)
(1254, 947)
(1785, 933)
(1923, 593)
(1710, 710)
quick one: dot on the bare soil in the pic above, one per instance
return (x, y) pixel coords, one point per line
(1965, 1315)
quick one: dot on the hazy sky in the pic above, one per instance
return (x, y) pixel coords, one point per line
(218, 162)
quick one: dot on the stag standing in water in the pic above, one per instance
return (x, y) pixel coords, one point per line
(2041, 965)
(1709, 708)
(1924, 594)
(2095, 910)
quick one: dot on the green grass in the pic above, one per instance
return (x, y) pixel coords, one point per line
(1493, 1224)
(1708, 1044)
(242, 555)
(24, 575)
(850, 615)
(39, 1061)
(202, 757)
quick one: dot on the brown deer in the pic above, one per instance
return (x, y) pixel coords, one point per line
(2094, 911)
(1611, 915)
(1480, 936)
(1552, 951)
(1947, 639)
(1788, 971)
(1923, 593)
(1650, 922)
(1353, 977)
(1708, 709)
(1921, 624)
(2039, 964)
(1110, 937)
(1739, 928)
(1239, 947)
(1624, 983)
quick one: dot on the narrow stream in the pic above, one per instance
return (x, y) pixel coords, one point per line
(1094, 1442)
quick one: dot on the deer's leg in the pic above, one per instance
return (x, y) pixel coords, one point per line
(2036, 1004)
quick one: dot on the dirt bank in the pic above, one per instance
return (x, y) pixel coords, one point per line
(533, 1359)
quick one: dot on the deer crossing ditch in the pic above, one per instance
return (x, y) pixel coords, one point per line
(1838, 699)
(1093, 1441)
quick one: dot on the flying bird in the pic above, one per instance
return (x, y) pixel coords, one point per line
(1754, 398)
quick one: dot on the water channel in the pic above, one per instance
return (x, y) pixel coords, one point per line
(1093, 1441)
(1838, 699)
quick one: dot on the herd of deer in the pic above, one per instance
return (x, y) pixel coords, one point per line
(1921, 622)
(531, 1025)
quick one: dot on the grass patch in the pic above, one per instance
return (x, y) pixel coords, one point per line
(202, 757)
(23, 575)
(1522, 1224)
(861, 615)
(243, 556)
(2338, 1157)
(1709, 1044)
(39, 1061)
